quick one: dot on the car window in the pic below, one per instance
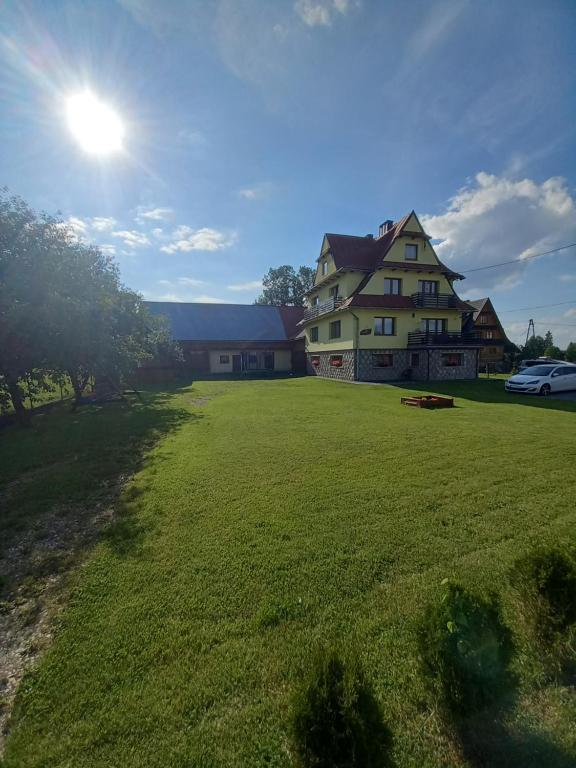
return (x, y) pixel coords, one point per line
(566, 371)
(538, 370)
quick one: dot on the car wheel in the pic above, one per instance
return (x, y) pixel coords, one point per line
(545, 390)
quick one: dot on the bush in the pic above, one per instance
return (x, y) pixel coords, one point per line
(466, 651)
(336, 722)
(546, 582)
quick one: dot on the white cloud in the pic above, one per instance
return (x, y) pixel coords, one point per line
(153, 214)
(570, 313)
(208, 300)
(258, 191)
(494, 219)
(567, 278)
(184, 297)
(187, 239)
(189, 281)
(320, 13)
(132, 238)
(78, 226)
(103, 223)
(108, 248)
(254, 285)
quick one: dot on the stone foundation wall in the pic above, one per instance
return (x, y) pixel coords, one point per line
(440, 372)
(344, 373)
(369, 371)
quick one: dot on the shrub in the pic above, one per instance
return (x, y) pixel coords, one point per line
(466, 651)
(546, 582)
(336, 722)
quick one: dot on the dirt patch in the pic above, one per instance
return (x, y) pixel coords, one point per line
(36, 569)
(200, 400)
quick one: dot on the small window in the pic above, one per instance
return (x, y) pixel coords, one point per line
(224, 359)
(384, 326)
(315, 360)
(414, 360)
(336, 361)
(482, 319)
(315, 301)
(411, 252)
(314, 333)
(382, 361)
(392, 286)
(488, 334)
(452, 359)
(334, 291)
(429, 287)
(324, 267)
(335, 329)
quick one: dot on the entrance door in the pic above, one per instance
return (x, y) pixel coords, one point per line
(236, 363)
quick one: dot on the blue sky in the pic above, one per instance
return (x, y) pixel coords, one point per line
(253, 127)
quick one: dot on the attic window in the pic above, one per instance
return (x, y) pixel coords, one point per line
(324, 267)
(411, 252)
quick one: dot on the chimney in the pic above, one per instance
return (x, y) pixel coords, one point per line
(370, 236)
(385, 227)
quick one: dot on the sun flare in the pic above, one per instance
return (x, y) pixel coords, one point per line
(94, 125)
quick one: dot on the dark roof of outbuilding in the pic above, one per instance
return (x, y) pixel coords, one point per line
(228, 322)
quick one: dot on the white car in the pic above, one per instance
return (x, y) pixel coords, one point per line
(544, 379)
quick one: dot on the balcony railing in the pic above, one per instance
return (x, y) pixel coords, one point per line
(444, 339)
(321, 309)
(434, 300)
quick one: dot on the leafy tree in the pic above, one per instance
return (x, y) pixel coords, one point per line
(64, 310)
(554, 352)
(283, 285)
(571, 352)
(548, 339)
(534, 347)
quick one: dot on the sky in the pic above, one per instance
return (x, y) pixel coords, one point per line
(251, 127)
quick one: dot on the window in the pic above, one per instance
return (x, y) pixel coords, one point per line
(488, 334)
(315, 301)
(411, 252)
(433, 325)
(384, 326)
(324, 267)
(334, 291)
(382, 361)
(224, 359)
(429, 287)
(336, 361)
(335, 329)
(483, 319)
(452, 359)
(392, 286)
(315, 360)
(314, 333)
(414, 360)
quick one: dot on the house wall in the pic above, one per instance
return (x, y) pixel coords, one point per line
(347, 283)
(410, 279)
(282, 359)
(406, 321)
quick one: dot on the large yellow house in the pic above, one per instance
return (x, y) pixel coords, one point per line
(384, 308)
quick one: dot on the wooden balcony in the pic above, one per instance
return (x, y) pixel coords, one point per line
(321, 309)
(434, 300)
(444, 339)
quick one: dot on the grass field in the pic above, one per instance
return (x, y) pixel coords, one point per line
(262, 519)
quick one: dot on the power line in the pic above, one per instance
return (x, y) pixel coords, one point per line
(540, 306)
(519, 258)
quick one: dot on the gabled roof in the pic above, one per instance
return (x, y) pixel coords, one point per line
(228, 322)
(351, 252)
(479, 305)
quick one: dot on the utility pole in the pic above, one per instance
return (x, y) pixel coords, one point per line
(530, 326)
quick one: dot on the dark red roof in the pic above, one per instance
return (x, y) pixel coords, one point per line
(291, 316)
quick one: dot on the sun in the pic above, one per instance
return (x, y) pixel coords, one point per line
(94, 125)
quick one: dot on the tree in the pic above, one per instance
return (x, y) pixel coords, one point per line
(63, 309)
(534, 347)
(548, 339)
(571, 352)
(554, 352)
(283, 285)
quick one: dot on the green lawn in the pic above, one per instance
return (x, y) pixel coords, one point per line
(265, 517)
